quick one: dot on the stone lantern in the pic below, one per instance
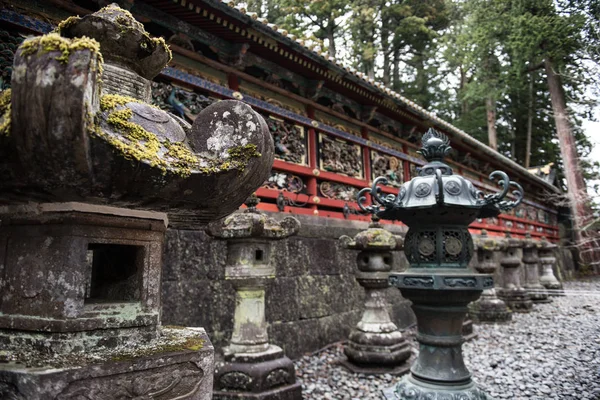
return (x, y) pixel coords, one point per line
(531, 263)
(489, 308)
(252, 367)
(513, 294)
(86, 180)
(548, 261)
(438, 206)
(375, 344)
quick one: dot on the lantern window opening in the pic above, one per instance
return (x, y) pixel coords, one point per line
(114, 273)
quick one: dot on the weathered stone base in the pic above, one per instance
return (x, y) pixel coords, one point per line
(517, 300)
(467, 330)
(268, 375)
(554, 289)
(538, 294)
(397, 370)
(170, 372)
(377, 351)
(489, 311)
(410, 388)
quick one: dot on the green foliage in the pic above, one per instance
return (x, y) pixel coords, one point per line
(454, 56)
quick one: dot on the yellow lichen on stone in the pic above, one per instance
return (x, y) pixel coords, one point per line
(55, 42)
(65, 24)
(5, 107)
(142, 145)
(128, 22)
(179, 152)
(111, 101)
(159, 41)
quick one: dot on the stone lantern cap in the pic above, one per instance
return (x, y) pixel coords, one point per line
(546, 245)
(529, 242)
(252, 223)
(486, 243)
(123, 40)
(374, 238)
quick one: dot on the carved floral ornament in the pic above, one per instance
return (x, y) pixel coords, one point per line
(285, 181)
(339, 191)
(184, 103)
(388, 166)
(340, 156)
(289, 139)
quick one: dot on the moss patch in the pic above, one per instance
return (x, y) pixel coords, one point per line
(54, 42)
(5, 107)
(192, 343)
(139, 144)
(127, 22)
(66, 24)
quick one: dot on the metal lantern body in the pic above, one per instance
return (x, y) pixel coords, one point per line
(438, 207)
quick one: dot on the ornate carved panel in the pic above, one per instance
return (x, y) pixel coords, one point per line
(178, 101)
(340, 156)
(413, 171)
(284, 181)
(9, 41)
(388, 166)
(175, 381)
(289, 139)
(338, 191)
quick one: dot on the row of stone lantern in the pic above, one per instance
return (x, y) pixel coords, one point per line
(251, 368)
(515, 294)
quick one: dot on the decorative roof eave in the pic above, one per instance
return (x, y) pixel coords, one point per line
(262, 26)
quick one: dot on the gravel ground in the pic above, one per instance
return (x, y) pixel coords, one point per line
(551, 353)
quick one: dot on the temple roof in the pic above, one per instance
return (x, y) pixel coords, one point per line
(334, 69)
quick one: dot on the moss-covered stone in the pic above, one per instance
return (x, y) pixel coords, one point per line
(54, 42)
(139, 144)
(127, 22)
(65, 24)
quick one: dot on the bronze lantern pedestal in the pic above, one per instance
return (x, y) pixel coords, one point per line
(438, 207)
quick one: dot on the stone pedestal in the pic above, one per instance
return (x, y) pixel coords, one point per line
(80, 268)
(375, 346)
(251, 367)
(468, 331)
(512, 293)
(547, 262)
(80, 307)
(531, 264)
(489, 308)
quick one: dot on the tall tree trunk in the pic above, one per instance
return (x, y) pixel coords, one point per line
(396, 76)
(421, 95)
(490, 109)
(529, 123)
(582, 214)
(331, 38)
(385, 50)
(464, 107)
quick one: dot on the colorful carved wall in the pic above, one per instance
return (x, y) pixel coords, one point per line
(327, 145)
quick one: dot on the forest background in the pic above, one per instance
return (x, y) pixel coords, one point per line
(487, 66)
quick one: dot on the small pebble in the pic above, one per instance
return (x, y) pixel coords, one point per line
(551, 353)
